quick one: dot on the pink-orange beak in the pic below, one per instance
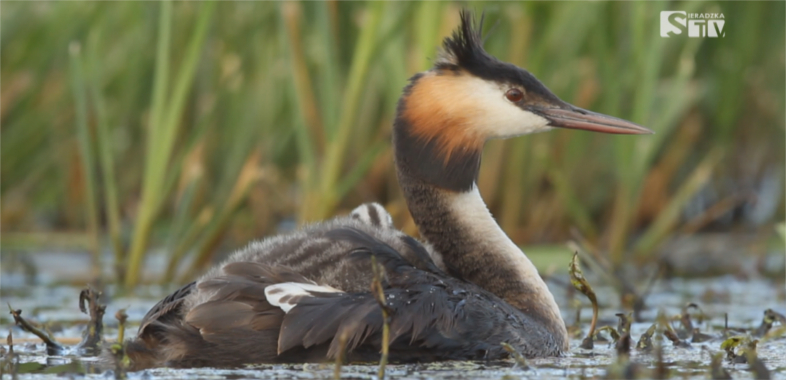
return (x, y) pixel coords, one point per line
(577, 118)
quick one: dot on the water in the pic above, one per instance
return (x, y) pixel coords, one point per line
(743, 300)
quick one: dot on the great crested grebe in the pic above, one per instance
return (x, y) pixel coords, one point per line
(469, 288)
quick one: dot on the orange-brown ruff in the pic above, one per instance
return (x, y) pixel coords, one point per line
(459, 294)
(441, 110)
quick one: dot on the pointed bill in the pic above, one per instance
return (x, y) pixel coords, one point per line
(577, 118)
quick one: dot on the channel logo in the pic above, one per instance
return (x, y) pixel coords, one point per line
(694, 25)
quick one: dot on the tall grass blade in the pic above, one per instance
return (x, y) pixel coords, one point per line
(291, 14)
(316, 92)
(106, 159)
(249, 174)
(162, 130)
(149, 186)
(184, 231)
(358, 71)
(667, 219)
(86, 152)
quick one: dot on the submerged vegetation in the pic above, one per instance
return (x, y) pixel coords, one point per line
(135, 125)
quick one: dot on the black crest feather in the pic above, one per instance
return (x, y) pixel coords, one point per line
(465, 47)
(464, 50)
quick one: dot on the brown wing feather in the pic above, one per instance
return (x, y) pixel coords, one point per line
(433, 317)
(423, 314)
(165, 308)
(238, 300)
(423, 307)
(215, 316)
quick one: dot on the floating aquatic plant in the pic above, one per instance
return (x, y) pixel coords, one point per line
(670, 333)
(623, 325)
(645, 341)
(736, 348)
(770, 317)
(685, 320)
(615, 336)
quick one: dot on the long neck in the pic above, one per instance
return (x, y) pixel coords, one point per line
(471, 244)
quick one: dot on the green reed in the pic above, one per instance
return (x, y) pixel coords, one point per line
(197, 126)
(85, 150)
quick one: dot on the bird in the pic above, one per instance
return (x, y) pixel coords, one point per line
(459, 293)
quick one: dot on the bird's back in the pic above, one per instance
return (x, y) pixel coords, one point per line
(288, 298)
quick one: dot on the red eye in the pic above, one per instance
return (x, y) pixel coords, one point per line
(514, 95)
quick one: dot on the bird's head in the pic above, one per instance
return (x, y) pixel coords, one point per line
(446, 114)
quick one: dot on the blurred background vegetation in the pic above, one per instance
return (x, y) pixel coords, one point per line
(194, 127)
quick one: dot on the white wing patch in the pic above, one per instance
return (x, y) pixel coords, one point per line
(286, 295)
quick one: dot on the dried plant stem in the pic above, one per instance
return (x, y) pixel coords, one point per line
(122, 361)
(379, 294)
(92, 336)
(342, 347)
(383, 361)
(121, 317)
(52, 346)
(7, 364)
(520, 359)
(581, 284)
(9, 340)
